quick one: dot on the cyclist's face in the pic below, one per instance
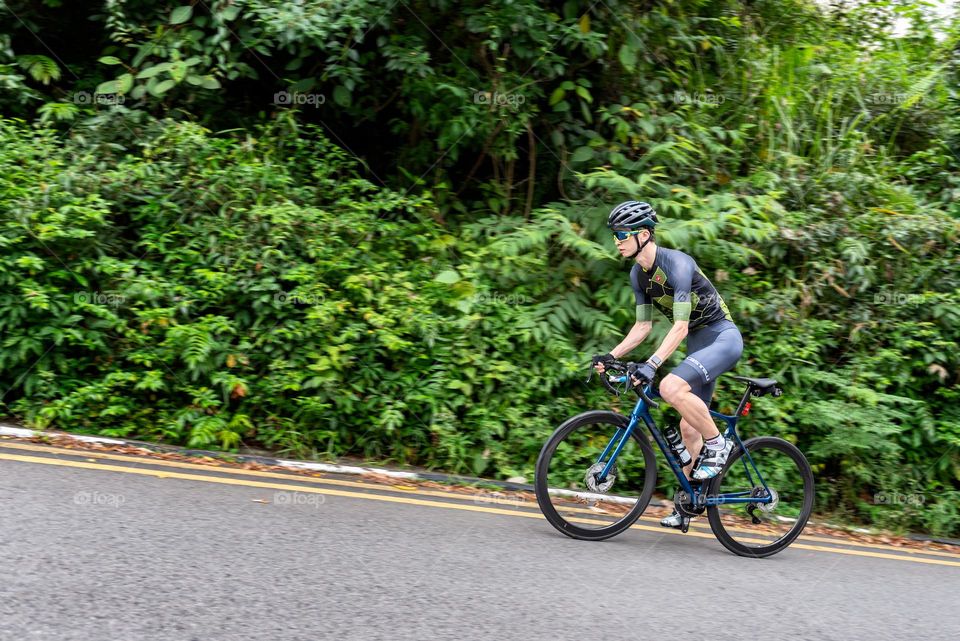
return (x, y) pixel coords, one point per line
(627, 246)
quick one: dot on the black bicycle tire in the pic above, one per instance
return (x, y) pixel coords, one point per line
(543, 463)
(809, 494)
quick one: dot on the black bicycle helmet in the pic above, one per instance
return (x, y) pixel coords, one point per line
(631, 215)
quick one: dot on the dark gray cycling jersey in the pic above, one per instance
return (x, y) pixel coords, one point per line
(677, 287)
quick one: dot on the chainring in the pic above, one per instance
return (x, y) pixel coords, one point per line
(684, 504)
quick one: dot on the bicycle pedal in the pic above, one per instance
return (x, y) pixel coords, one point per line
(685, 524)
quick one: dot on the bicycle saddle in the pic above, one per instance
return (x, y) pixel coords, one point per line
(761, 385)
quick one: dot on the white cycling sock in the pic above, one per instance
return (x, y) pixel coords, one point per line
(715, 443)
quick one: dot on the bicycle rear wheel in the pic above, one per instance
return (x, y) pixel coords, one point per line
(572, 490)
(779, 471)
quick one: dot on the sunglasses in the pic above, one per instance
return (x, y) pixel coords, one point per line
(623, 235)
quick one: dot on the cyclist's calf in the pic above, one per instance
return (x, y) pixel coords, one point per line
(694, 442)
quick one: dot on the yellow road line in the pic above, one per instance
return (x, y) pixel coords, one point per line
(147, 460)
(413, 501)
(439, 494)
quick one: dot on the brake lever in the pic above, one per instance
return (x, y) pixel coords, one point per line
(638, 388)
(606, 383)
(603, 378)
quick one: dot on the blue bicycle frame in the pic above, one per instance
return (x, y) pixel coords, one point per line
(642, 412)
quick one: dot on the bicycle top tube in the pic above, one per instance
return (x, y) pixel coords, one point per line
(652, 392)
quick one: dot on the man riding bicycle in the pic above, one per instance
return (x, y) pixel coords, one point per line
(670, 280)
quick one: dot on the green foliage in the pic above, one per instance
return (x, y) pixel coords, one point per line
(41, 68)
(311, 314)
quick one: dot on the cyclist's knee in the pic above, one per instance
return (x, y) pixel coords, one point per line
(672, 386)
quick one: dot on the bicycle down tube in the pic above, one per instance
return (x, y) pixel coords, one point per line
(642, 412)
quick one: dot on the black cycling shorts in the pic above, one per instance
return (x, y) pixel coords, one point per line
(711, 350)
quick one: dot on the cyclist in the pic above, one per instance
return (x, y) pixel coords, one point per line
(670, 280)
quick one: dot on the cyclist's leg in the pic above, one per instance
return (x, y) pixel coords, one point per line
(707, 363)
(690, 386)
(679, 393)
(711, 351)
(694, 441)
(687, 388)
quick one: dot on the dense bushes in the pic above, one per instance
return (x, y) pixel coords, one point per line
(197, 290)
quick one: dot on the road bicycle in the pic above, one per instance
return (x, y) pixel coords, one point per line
(597, 472)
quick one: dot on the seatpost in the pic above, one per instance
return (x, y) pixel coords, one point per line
(743, 401)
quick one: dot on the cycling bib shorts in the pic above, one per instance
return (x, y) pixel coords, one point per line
(711, 350)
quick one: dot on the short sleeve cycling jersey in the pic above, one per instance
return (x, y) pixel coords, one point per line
(677, 287)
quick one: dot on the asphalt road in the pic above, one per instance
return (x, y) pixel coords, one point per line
(128, 549)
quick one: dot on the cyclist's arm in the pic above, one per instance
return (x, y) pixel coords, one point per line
(641, 329)
(637, 334)
(682, 278)
(672, 340)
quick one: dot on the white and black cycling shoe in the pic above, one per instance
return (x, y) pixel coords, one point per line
(674, 520)
(712, 462)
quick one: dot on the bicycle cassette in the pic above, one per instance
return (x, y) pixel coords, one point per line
(762, 492)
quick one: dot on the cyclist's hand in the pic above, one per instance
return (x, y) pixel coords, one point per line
(600, 360)
(641, 372)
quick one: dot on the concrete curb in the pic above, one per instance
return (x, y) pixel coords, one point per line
(10, 430)
(20, 432)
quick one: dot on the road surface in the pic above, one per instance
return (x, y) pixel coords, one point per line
(110, 547)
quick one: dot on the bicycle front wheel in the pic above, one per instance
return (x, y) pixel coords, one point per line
(592, 481)
(779, 479)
